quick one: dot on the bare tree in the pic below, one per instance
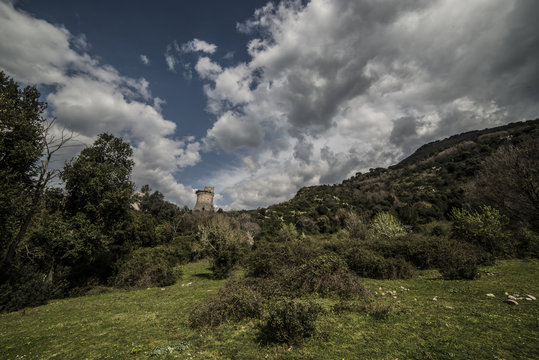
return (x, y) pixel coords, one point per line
(509, 181)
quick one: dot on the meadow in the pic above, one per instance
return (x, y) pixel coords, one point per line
(420, 318)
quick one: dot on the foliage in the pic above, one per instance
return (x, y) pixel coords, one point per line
(27, 287)
(459, 263)
(289, 321)
(355, 225)
(148, 267)
(508, 181)
(387, 226)
(272, 259)
(325, 275)
(98, 181)
(369, 264)
(21, 145)
(288, 232)
(235, 301)
(156, 205)
(224, 242)
(484, 228)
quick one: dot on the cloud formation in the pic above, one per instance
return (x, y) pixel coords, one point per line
(88, 98)
(175, 54)
(144, 59)
(329, 88)
(333, 87)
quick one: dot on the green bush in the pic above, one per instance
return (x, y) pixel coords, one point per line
(326, 275)
(527, 243)
(147, 267)
(459, 263)
(369, 264)
(27, 287)
(387, 226)
(270, 259)
(484, 228)
(233, 302)
(420, 250)
(289, 321)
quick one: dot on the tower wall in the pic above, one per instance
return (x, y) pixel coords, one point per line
(204, 199)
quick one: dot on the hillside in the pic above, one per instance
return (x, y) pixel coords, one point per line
(421, 188)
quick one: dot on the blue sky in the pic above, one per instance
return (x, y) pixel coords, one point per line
(262, 98)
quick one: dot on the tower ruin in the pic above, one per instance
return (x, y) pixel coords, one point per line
(204, 199)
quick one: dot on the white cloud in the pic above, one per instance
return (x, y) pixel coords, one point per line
(197, 45)
(89, 98)
(333, 87)
(175, 54)
(144, 59)
(207, 69)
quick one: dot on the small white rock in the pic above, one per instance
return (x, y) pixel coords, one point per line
(491, 295)
(531, 297)
(435, 298)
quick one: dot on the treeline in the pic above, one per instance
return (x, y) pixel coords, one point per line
(58, 242)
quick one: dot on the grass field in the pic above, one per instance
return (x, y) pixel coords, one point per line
(462, 323)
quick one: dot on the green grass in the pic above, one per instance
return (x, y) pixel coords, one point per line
(463, 323)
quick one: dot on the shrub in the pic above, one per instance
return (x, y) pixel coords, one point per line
(27, 287)
(224, 242)
(288, 232)
(484, 228)
(527, 243)
(147, 267)
(459, 263)
(355, 225)
(386, 225)
(326, 275)
(233, 302)
(289, 321)
(271, 259)
(369, 264)
(420, 250)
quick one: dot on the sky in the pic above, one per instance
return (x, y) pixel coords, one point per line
(258, 98)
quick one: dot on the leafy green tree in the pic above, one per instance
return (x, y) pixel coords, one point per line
(98, 181)
(99, 195)
(25, 139)
(21, 124)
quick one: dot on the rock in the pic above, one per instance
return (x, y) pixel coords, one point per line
(511, 297)
(491, 295)
(435, 298)
(531, 297)
(511, 302)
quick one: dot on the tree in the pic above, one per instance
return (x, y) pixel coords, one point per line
(25, 139)
(98, 181)
(509, 181)
(224, 242)
(98, 202)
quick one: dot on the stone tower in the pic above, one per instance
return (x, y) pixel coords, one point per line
(204, 199)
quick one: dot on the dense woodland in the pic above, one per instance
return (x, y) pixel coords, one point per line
(453, 205)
